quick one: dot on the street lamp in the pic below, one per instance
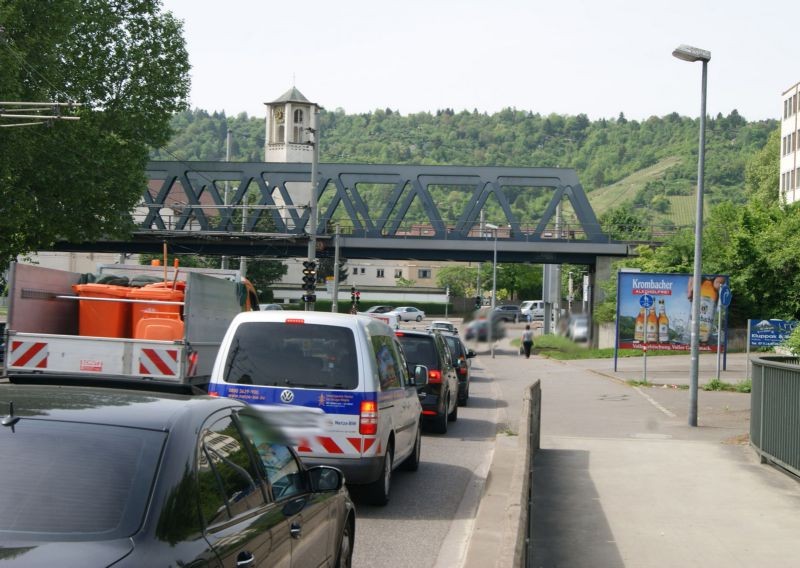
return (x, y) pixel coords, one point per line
(494, 286)
(692, 54)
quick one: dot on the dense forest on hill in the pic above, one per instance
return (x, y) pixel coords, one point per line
(603, 152)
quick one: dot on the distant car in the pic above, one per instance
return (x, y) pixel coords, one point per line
(461, 361)
(409, 313)
(578, 327)
(379, 309)
(137, 477)
(509, 312)
(439, 397)
(442, 325)
(478, 330)
(267, 307)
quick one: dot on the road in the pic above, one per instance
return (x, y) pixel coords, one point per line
(430, 514)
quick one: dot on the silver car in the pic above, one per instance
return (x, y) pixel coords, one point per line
(409, 313)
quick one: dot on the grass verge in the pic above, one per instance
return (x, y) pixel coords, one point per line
(717, 385)
(559, 347)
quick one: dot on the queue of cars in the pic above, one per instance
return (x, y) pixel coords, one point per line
(251, 473)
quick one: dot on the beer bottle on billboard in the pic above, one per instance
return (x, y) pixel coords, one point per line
(663, 323)
(651, 327)
(708, 305)
(638, 333)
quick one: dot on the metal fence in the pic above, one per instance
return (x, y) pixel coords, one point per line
(775, 410)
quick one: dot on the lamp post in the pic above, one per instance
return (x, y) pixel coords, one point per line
(494, 287)
(693, 54)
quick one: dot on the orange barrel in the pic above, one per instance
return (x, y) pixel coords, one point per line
(102, 318)
(138, 310)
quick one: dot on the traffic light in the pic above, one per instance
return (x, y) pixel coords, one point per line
(352, 293)
(342, 270)
(309, 276)
(477, 302)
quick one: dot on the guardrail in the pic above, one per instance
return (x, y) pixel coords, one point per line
(775, 410)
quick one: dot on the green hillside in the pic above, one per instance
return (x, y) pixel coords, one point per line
(625, 190)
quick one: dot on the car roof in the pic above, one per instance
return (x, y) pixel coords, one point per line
(107, 405)
(321, 318)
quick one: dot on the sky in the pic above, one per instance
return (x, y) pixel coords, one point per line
(566, 57)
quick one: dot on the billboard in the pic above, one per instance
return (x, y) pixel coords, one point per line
(770, 332)
(666, 325)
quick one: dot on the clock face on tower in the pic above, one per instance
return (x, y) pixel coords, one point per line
(278, 114)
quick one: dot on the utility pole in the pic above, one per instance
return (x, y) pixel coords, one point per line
(312, 224)
(335, 293)
(225, 200)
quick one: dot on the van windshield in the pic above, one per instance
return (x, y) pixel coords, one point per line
(295, 355)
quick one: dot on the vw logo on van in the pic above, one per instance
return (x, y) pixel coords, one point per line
(287, 396)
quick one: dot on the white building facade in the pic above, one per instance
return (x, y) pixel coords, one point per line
(790, 146)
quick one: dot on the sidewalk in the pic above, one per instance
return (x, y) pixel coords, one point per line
(623, 480)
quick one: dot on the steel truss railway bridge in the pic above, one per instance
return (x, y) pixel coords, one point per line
(259, 209)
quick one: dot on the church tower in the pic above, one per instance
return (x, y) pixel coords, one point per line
(289, 118)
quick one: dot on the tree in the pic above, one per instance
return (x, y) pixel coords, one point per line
(125, 62)
(461, 280)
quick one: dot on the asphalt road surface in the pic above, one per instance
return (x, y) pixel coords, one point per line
(430, 513)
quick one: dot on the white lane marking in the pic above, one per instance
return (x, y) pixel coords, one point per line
(649, 399)
(453, 552)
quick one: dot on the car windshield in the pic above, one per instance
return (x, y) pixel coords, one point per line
(293, 355)
(75, 481)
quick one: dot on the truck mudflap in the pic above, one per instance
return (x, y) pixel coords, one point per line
(85, 356)
(319, 423)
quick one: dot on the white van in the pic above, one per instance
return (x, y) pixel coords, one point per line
(532, 309)
(338, 383)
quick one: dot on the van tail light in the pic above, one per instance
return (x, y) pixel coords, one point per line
(434, 376)
(368, 424)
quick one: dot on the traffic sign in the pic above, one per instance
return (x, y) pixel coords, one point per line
(646, 301)
(725, 295)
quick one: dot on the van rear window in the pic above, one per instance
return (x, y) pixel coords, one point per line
(283, 355)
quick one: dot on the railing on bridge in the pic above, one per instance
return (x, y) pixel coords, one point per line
(775, 410)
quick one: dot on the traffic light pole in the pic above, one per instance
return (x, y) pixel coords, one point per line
(312, 223)
(335, 294)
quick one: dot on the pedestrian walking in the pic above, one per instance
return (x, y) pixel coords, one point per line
(527, 341)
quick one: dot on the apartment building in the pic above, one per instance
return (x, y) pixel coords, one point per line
(790, 146)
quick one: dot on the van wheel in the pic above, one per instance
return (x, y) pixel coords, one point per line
(378, 490)
(453, 416)
(411, 463)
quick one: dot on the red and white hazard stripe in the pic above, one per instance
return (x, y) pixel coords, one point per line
(162, 362)
(339, 444)
(28, 354)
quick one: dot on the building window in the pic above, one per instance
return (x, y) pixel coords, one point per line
(298, 126)
(792, 183)
(423, 273)
(398, 272)
(379, 273)
(363, 270)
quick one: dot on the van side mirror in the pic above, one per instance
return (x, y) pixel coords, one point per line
(420, 377)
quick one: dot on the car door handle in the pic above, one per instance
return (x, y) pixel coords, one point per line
(245, 559)
(296, 530)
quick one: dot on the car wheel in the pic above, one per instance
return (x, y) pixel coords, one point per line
(463, 399)
(439, 424)
(345, 557)
(411, 463)
(453, 416)
(378, 490)
(419, 318)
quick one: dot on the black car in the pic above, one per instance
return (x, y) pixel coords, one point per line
(95, 476)
(478, 330)
(461, 356)
(440, 396)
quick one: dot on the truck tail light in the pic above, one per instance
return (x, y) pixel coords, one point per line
(434, 377)
(368, 424)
